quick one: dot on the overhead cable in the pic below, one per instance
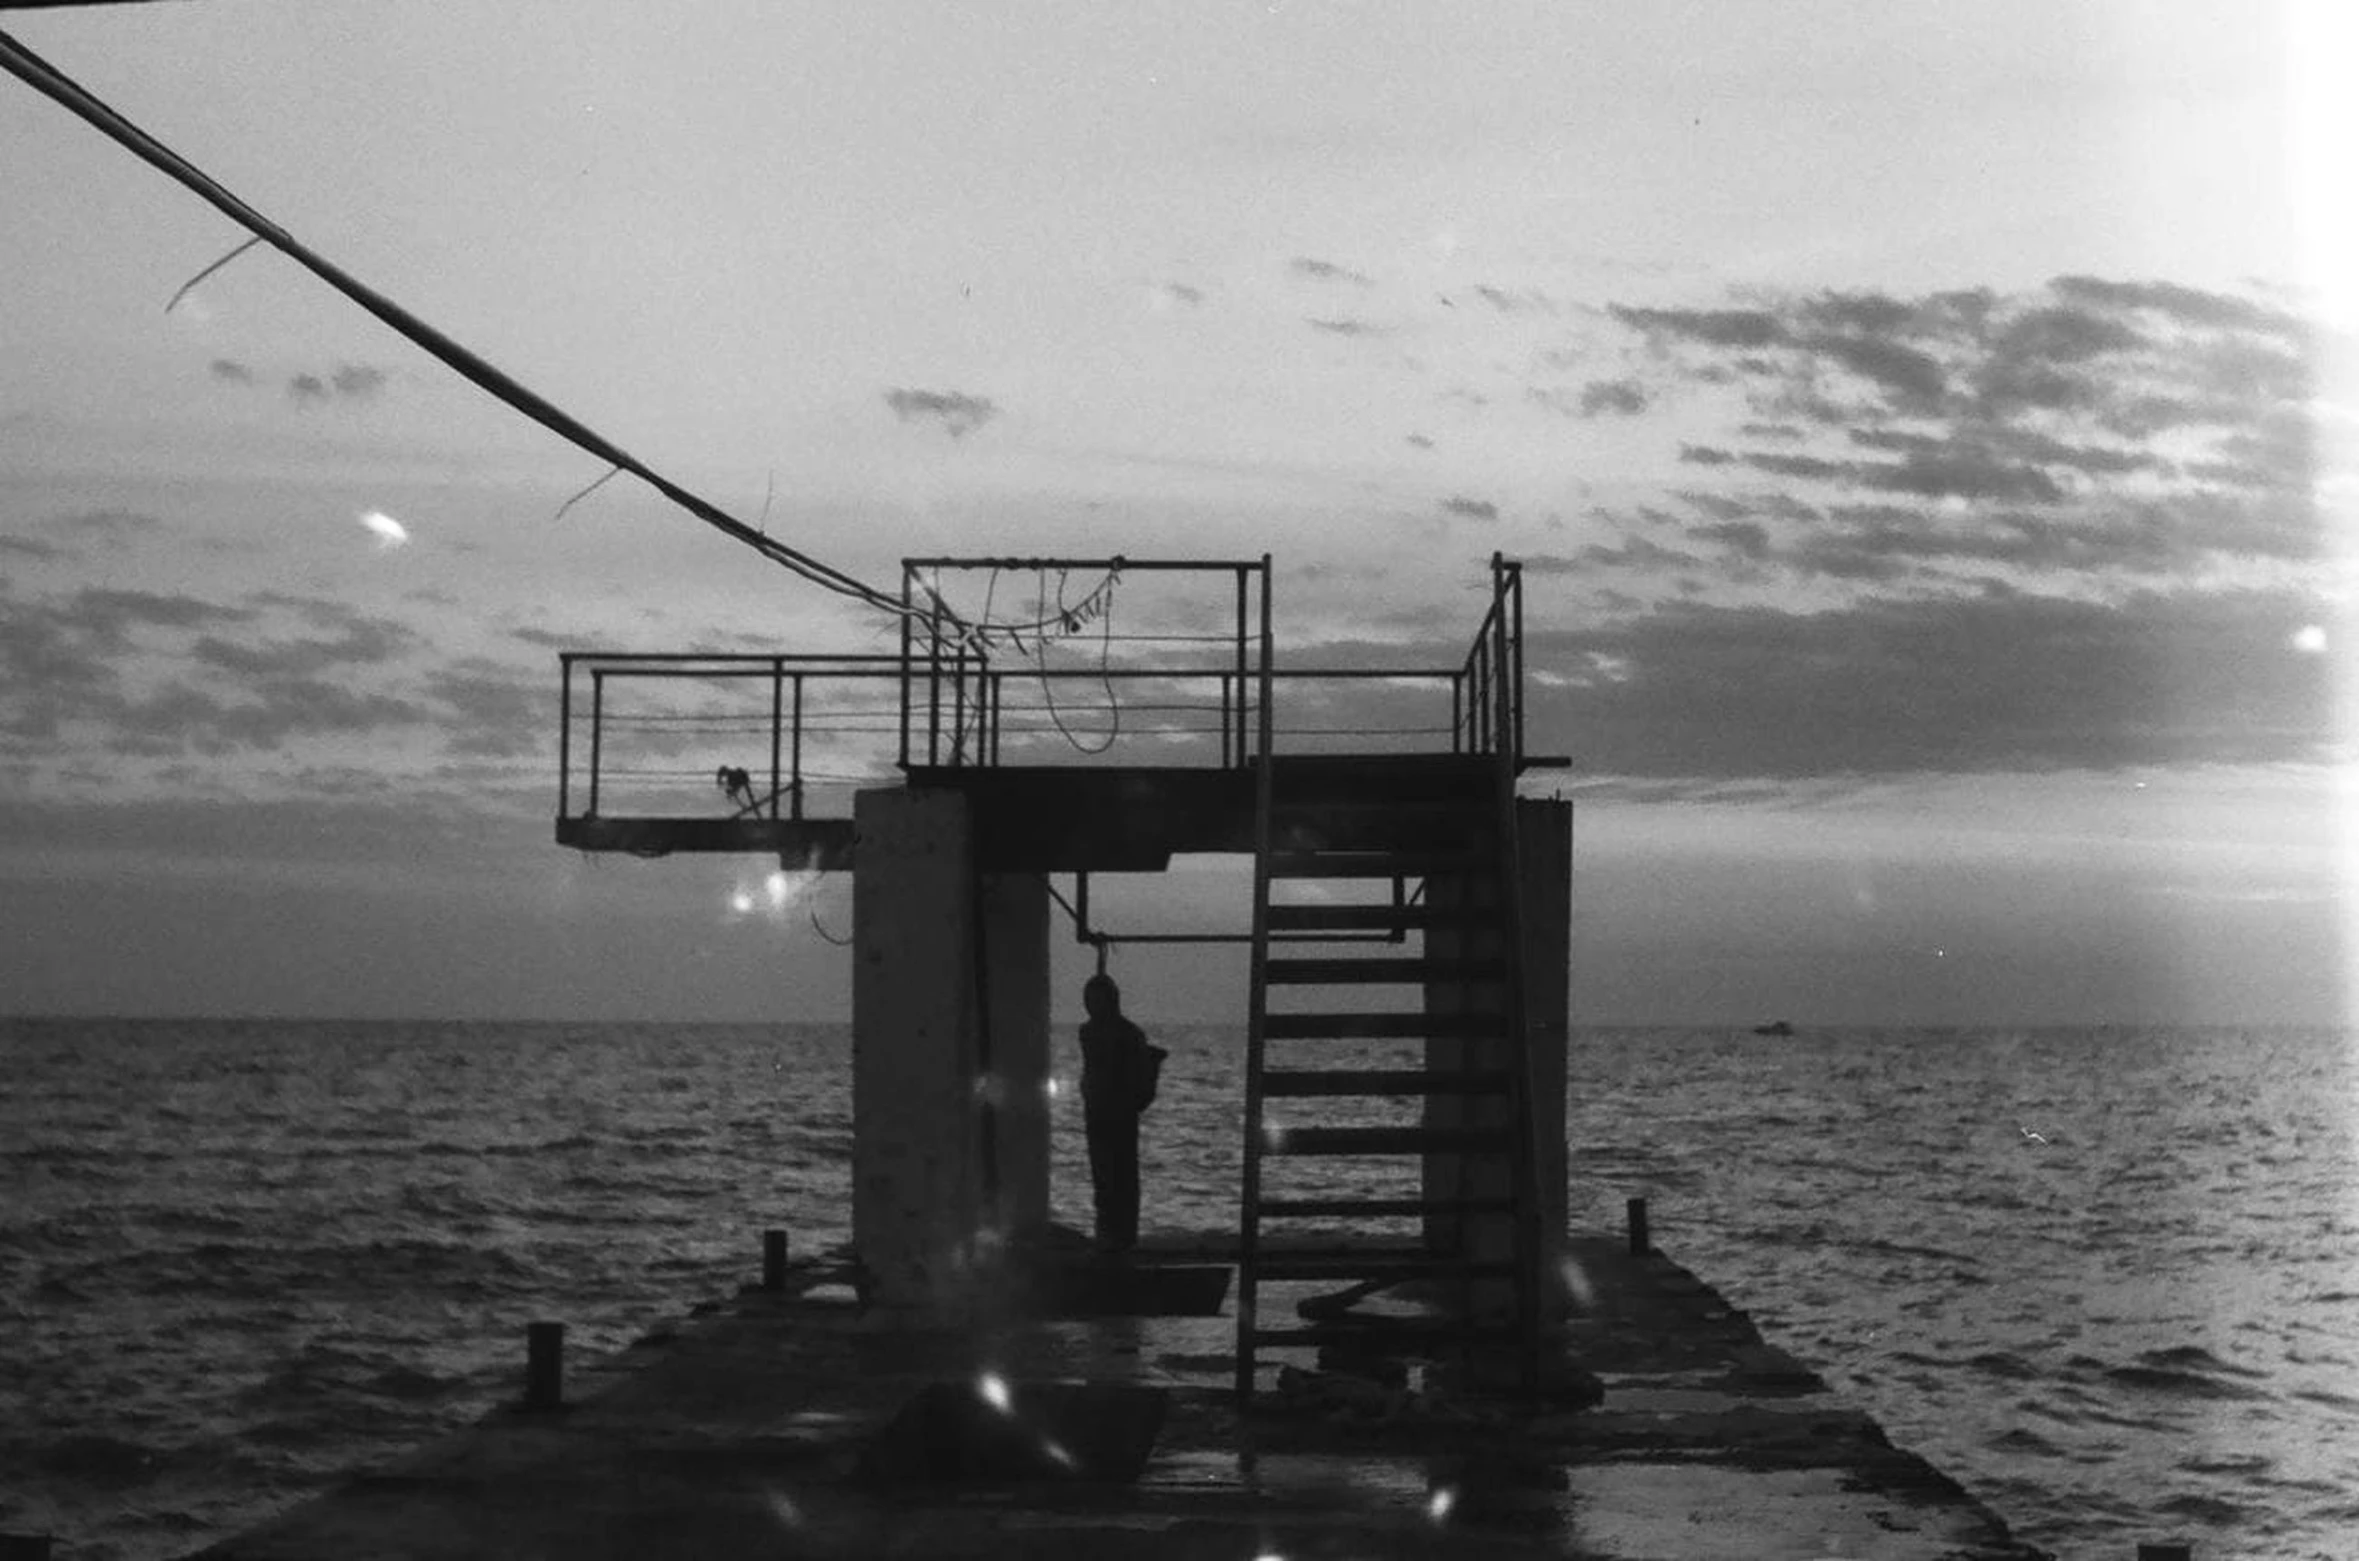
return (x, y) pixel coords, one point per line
(46, 79)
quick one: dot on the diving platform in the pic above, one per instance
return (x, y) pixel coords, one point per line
(1406, 1010)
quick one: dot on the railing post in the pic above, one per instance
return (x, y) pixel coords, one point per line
(777, 718)
(1269, 658)
(1506, 692)
(564, 734)
(934, 679)
(904, 666)
(795, 808)
(1515, 586)
(1239, 717)
(958, 709)
(597, 731)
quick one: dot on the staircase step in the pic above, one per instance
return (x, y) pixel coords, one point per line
(1382, 1081)
(1375, 864)
(1385, 1140)
(1406, 1263)
(1362, 918)
(1375, 1208)
(1325, 1026)
(1392, 1331)
(1346, 972)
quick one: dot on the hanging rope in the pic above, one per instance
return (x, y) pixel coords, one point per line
(1066, 618)
(46, 79)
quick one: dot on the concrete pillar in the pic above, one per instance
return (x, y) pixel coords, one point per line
(1544, 837)
(1015, 944)
(1544, 906)
(916, 1144)
(1481, 1236)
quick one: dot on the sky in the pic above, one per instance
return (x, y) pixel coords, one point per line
(1927, 432)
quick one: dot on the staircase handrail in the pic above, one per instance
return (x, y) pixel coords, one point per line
(1257, 1013)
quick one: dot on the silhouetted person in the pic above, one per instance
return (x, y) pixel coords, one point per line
(1118, 1076)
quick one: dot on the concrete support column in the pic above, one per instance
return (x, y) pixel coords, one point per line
(1544, 838)
(1488, 1237)
(916, 1143)
(1015, 940)
(1544, 905)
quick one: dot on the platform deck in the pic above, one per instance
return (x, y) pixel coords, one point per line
(743, 1432)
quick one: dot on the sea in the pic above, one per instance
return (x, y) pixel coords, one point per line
(2106, 1278)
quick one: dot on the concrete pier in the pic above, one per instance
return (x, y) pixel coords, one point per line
(791, 1424)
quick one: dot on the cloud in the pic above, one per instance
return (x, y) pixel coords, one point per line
(1618, 397)
(1178, 293)
(2002, 681)
(110, 523)
(500, 712)
(1748, 538)
(1420, 441)
(362, 642)
(957, 412)
(345, 382)
(29, 547)
(230, 371)
(1712, 327)
(110, 615)
(1912, 380)
(1327, 271)
(357, 381)
(1347, 327)
(2139, 428)
(2182, 305)
(1529, 301)
(1470, 509)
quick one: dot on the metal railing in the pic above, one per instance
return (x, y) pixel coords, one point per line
(664, 732)
(1486, 692)
(978, 690)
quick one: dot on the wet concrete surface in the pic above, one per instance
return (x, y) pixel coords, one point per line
(753, 1429)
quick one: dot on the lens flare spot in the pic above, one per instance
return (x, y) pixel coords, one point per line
(2310, 639)
(742, 903)
(1577, 1285)
(1058, 1454)
(991, 1387)
(1438, 1505)
(388, 531)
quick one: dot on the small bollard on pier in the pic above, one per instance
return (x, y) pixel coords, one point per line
(1640, 1243)
(24, 1547)
(544, 1366)
(2166, 1552)
(774, 1260)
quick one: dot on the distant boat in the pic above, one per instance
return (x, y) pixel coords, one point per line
(1774, 1027)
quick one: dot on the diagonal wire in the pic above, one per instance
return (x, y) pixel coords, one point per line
(48, 80)
(190, 285)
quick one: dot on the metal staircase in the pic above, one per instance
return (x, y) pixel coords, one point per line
(1343, 1042)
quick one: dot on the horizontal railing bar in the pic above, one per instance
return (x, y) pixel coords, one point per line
(1220, 565)
(790, 658)
(625, 665)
